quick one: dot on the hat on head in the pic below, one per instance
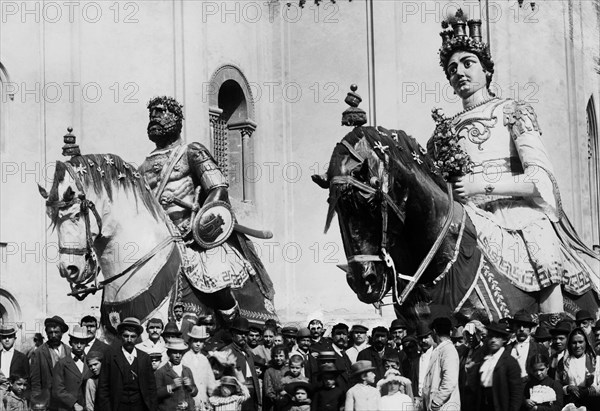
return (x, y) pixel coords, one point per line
(56, 320)
(178, 304)
(361, 366)
(155, 320)
(561, 328)
(240, 324)
(398, 324)
(379, 330)
(155, 354)
(292, 387)
(81, 333)
(7, 330)
(303, 333)
(230, 382)
(410, 338)
(327, 355)
(315, 320)
(541, 334)
(423, 330)
(198, 332)
(260, 362)
(457, 333)
(391, 355)
(171, 329)
(176, 344)
(392, 375)
(256, 328)
(38, 336)
(359, 328)
(583, 315)
(524, 318)
(289, 331)
(498, 329)
(329, 368)
(339, 327)
(442, 324)
(130, 322)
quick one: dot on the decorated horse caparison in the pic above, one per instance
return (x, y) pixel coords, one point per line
(405, 235)
(108, 222)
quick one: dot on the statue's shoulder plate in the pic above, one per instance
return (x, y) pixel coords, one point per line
(520, 118)
(205, 167)
(198, 153)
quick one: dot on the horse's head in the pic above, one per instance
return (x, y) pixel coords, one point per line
(77, 223)
(369, 181)
(79, 207)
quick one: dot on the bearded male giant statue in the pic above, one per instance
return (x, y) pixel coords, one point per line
(185, 178)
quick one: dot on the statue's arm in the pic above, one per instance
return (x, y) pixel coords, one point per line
(207, 172)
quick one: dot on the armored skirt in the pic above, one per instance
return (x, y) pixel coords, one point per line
(527, 239)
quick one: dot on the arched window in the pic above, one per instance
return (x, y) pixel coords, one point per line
(594, 169)
(231, 110)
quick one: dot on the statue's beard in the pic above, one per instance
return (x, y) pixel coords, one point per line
(166, 131)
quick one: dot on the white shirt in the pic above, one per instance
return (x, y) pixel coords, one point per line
(59, 351)
(130, 356)
(487, 368)
(352, 352)
(86, 350)
(7, 356)
(78, 363)
(520, 352)
(576, 370)
(178, 369)
(423, 366)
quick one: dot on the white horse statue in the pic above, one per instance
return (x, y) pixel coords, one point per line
(108, 221)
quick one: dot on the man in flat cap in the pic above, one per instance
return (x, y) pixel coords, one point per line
(318, 342)
(289, 334)
(45, 358)
(585, 320)
(359, 338)
(127, 380)
(378, 350)
(11, 360)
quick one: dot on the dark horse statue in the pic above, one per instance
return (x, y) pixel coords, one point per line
(393, 210)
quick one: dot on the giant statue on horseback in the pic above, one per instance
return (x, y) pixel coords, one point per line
(160, 235)
(473, 224)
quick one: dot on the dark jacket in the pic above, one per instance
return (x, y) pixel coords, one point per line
(371, 354)
(468, 375)
(507, 385)
(112, 378)
(41, 374)
(534, 349)
(549, 382)
(243, 356)
(168, 401)
(19, 364)
(68, 386)
(99, 346)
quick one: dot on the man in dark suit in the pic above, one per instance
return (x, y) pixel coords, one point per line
(91, 324)
(245, 362)
(175, 381)
(11, 360)
(184, 324)
(71, 373)
(377, 351)
(127, 381)
(44, 359)
(524, 348)
(500, 386)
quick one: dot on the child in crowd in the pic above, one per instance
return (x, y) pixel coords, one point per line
(392, 397)
(296, 366)
(260, 367)
(329, 396)
(14, 398)
(272, 386)
(362, 396)
(229, 395)
(155, 360)
(299, 392)
(94, 363)
(278, 339)
(542, 393)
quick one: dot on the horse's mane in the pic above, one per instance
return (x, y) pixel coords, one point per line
(105, 173)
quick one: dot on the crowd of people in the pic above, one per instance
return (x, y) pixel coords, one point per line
(189, 364)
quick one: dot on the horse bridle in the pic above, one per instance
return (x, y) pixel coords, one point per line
(382, 187)
(85, 206)
(80, 291)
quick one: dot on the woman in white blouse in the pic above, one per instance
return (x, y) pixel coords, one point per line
(576, 370)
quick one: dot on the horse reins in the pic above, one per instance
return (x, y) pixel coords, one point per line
(384, 255)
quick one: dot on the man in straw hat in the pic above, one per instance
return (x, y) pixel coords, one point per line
(440, 385)
(362, 396)
(71, 373)
(127, 381)
(11, 360)
(174, 381)
(45, 358)
(197, 362)
(501, 386)
(524, 347)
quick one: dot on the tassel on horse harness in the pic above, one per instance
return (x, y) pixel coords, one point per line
(398, 210)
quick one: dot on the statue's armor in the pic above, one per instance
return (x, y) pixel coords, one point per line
(194, 167)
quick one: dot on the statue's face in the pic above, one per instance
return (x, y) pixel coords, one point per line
(466, 74)
(162, 125)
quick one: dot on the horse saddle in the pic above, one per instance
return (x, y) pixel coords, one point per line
(213, 223)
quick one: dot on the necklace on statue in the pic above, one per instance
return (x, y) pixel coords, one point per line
(481, 103)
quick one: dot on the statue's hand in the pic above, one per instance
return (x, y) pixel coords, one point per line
(211, 227)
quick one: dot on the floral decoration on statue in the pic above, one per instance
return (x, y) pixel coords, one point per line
(448, 155)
